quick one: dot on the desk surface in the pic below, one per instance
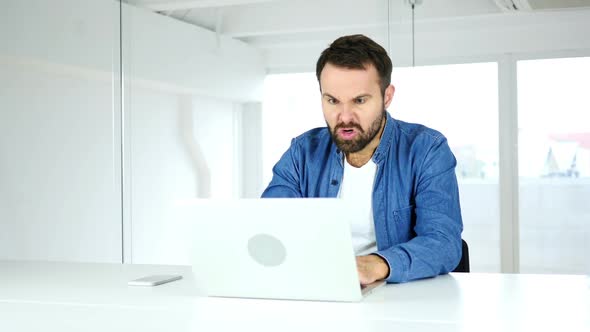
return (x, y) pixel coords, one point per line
(95, 297)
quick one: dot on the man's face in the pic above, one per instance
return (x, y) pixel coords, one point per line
(353, 106)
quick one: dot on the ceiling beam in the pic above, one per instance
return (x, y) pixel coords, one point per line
(282, 17)
(170, 5)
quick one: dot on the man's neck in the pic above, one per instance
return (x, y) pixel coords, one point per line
(360, 158)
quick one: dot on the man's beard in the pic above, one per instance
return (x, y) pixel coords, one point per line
(363, 138)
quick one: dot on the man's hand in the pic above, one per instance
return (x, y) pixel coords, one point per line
(371, 268)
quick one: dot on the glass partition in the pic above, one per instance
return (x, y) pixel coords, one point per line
(194, 95)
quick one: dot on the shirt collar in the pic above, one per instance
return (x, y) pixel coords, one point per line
(385, 141)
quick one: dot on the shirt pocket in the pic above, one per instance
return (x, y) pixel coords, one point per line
(405, 220)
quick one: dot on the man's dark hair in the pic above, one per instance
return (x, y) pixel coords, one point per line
(357, 52)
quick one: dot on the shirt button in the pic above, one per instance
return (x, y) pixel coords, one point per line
(334, 182)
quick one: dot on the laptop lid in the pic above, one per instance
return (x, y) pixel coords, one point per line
(274, 248)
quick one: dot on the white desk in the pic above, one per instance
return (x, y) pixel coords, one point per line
(37, 296)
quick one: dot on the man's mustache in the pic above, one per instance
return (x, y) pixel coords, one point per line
(348, 126)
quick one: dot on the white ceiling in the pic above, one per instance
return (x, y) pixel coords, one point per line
(282, 29)
(260, 22)
(249, 18)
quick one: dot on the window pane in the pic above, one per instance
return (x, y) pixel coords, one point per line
(461, 101)
(554, 165)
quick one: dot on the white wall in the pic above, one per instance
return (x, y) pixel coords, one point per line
(251, 144)
(59, 174)
(181, 148)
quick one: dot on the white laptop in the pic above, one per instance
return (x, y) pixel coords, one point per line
(275, 249)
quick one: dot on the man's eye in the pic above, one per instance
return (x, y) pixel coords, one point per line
(360, 100)
(332, 101)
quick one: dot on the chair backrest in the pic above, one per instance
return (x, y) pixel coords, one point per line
(464, 262)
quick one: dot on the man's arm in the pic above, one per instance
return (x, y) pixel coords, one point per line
(436, 249)
(285, 177)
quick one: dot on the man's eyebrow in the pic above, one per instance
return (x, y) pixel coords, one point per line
(363, 95)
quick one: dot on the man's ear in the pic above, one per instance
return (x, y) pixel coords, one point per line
(388, 97)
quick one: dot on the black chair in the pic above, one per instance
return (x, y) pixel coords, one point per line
(464, 262)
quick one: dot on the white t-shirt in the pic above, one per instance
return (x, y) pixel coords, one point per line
(357, 187)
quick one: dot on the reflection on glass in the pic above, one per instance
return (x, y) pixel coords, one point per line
(554, 165)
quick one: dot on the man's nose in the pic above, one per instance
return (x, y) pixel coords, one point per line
(346, 114)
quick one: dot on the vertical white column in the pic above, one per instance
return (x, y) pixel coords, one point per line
(251, 147)
(123, 127)
(509, 187)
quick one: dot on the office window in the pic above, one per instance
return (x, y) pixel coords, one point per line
(554, 165)
(458, 100)
(461, 101)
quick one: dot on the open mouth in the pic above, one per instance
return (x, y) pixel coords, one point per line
(347, 133)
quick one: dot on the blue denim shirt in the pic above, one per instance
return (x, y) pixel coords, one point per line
(415, 195)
